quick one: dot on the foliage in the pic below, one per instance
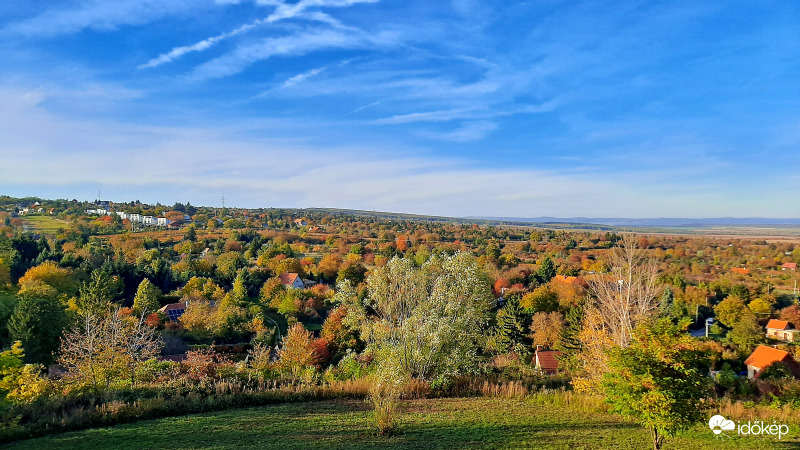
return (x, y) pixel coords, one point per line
(659, 380)
(107, 348)
(297, 350)
(146, 299)
(547, 328)
(730, 310)
(37, 322)
(510, 331)
(433, 317)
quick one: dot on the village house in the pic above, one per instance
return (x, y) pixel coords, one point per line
(149, 220)
(763, 356)
(546, 360)
(173, 310)
(291, 280)
(740, 270)
(789, 266)
(162, 221)
(781, 330)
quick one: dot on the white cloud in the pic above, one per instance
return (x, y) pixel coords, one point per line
(283, 11)
(104, 15)
(469, 131)
(168, 164)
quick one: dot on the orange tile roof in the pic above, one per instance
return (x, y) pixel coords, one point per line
(789, 265)
(741, 270)
(763, 356)
(778, 324)
(564, 279)
(287, 278)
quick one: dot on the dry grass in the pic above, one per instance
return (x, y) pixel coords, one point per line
(738, 410)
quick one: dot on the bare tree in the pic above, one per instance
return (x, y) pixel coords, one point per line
(626, 296)
(108, 347)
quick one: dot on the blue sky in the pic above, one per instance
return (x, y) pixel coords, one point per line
(463, 107)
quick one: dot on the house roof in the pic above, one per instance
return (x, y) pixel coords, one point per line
(288, 278)
(565, 279)
(741, 270)
(789, 265)
(778, 324)
(548, 360)
(173, 307)
(763, 356)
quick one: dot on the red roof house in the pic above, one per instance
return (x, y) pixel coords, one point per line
(764, 356)
(740, 270)
(780, 329)
(546, 360)
(291, 280)
(789, 265)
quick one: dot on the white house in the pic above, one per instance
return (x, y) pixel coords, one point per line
(291, 280)
(149, 220)
(162, 221)
(136, 218)
(123, 215)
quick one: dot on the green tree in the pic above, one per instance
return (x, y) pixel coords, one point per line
(97, 294)
(510, 328)
(746, 334)
(731, 310)
(659, 380)
(37, 322)
(431, 320)
(146, 298)
(547, 271)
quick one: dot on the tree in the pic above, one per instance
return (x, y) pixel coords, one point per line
(37, 322)
(791, 314)
(547, 271)
(546, 328)
(730, 310)
(659, 380)
(107, 347)
(354, 272)
(297, 350)
(49, 273)
(510, 328)
(542, 299)
(97, 294)
(627, 296)
(433, 319)
(760, 306)
(146, 299)
(746, 334)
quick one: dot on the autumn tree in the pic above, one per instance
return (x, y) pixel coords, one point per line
(731, 310)
(297, 350)
(147, 296)
(627, 296)
(49, 273)
(546, 328)
(97, 294)
(659, 380)
(107, 347)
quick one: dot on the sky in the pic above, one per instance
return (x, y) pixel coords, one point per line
(456, 108)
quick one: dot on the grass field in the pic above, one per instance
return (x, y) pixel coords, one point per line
(432, 423)
(43, 224)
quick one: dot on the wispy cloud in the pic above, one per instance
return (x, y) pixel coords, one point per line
(300, 43)
(469, 131)
(103, 15)
(283, 11)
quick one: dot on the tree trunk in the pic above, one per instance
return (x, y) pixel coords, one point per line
(657, 439)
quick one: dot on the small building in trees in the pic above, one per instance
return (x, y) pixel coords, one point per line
(789, 266)
(763, 357)
(546, 360)
(174, 310)
(291, 280)
(781, 330)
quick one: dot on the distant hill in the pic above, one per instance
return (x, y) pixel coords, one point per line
(654, 222)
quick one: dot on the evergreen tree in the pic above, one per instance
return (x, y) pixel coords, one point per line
(547, 271)
(238, 294)
(510, 327)
(96, 295)
(665, 303)
(573, 322)
(37, 322)
(146, 299)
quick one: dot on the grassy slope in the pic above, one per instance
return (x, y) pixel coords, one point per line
(437, 424)
(43, 224)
